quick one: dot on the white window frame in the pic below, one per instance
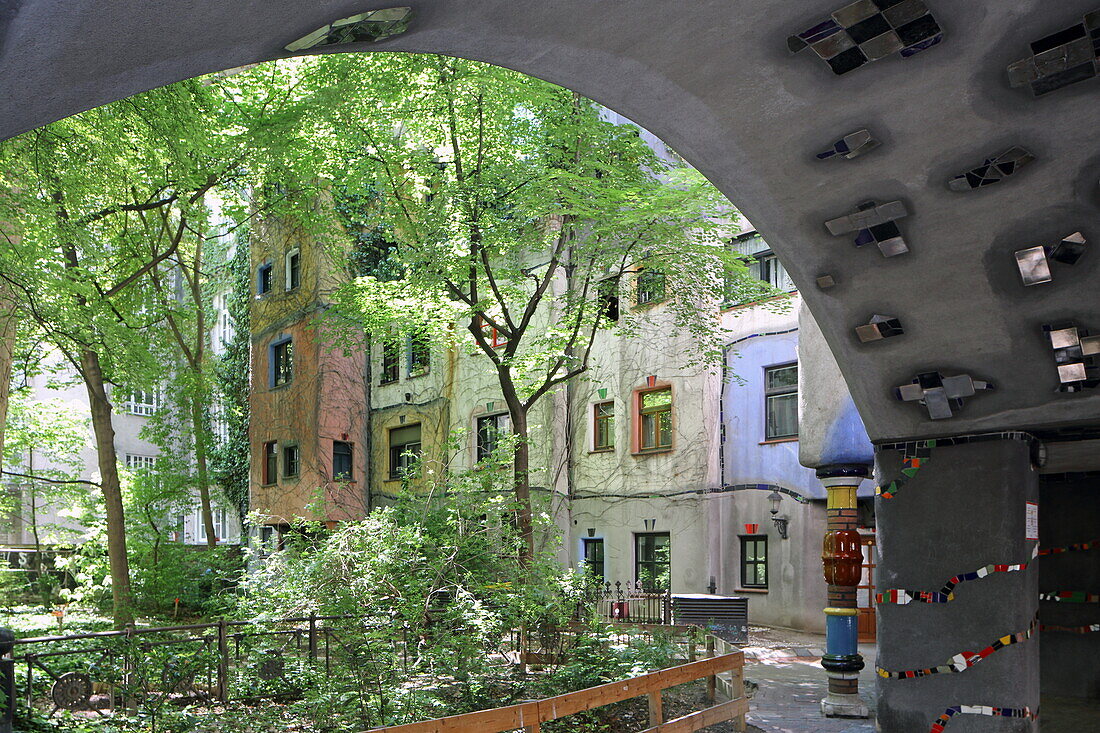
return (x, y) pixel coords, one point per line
(217, 514)
(138, 462)
(286, 268)
(224, 329)
(147, 406)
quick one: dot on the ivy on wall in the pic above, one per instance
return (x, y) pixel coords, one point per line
(229, 459)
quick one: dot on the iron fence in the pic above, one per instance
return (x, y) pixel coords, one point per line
(634, 603)
(149, 668)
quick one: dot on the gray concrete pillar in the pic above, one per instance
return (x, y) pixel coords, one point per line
(957, 586)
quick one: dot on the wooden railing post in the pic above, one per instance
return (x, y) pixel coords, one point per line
(712, 680)
(737, 690)
(223, 663)
(656, 709)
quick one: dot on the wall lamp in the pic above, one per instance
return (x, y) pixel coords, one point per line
(780, 522)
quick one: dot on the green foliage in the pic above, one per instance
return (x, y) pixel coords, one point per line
(229, 458)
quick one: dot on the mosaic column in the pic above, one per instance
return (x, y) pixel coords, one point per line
(957, 585)
(842, 561)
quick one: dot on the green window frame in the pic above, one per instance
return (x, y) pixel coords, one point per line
(754, 561)
(653, 560)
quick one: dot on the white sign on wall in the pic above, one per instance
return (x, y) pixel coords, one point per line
(1031, 521)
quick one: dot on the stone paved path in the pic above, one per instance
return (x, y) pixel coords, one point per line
(790, 684)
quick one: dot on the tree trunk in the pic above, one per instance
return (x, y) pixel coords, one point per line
(521, 477)
(199, 431)
(104, 431)
(7, 351)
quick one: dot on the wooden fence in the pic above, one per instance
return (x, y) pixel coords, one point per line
(529, 716)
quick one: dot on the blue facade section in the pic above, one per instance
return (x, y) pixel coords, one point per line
(847, 440)
(746, 457)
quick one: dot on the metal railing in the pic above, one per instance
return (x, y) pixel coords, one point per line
(196, 663)
(632, 602)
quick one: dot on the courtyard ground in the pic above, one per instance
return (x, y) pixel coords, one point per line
(784, 665)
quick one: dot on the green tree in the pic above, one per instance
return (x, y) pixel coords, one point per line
(516, 210)
(104, 202)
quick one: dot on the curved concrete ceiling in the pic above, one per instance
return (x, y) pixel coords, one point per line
(715, 80)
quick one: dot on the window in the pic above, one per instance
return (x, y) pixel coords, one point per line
(767, 268)
(650, 286)
(140, 463)
(781, 402)
(607, 296)
(754, 561)
(593, 558)
(217, 516)
(140, 402)
(342, 469)
(653, 560)
(391, 362)
(603, 426)
(763, 266)
(404, 450)
(271, 463)
(282, 362)
(489, 431)
(492, 335)
(419, 355)
(223, 331)
(291, 460)
(655, 418)
(293, 269)
(263, 279)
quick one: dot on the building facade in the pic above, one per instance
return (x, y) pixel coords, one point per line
(662, 471)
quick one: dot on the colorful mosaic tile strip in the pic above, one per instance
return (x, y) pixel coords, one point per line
(915, 453)
(946, 594)
(951, 712)
(1070, 596)
(913, 456)
(1075, 547)
(1072, 629)
(963, 660)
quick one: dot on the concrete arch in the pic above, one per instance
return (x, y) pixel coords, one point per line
(715, 80)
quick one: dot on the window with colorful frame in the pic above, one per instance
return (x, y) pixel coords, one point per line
(603, 426)
(495, 338)
(281, 355)
(655, 419)
(263, 279)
